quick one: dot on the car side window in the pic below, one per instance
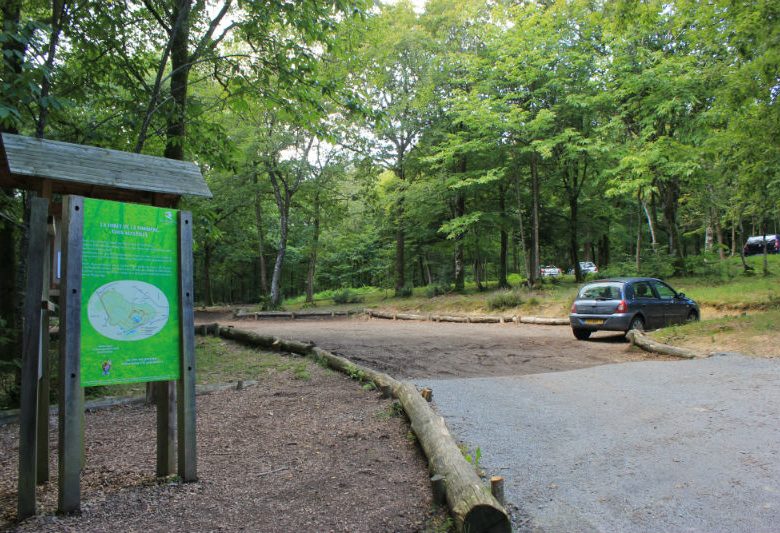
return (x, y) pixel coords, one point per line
(642, 290)
(665, 291)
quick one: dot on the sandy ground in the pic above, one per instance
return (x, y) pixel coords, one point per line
(409, 349)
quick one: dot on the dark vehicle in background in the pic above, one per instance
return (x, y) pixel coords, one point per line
(755, 245)
(623, 304)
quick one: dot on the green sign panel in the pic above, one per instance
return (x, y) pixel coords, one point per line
(130, 294)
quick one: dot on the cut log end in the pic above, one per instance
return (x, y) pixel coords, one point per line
(427, 393)
(487, 519)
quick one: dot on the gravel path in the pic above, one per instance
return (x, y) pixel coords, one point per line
(644, 446)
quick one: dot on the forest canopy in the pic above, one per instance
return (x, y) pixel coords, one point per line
(353, 143)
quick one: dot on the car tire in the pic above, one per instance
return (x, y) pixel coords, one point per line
(693, 316)
(581, 334)
(637, 323)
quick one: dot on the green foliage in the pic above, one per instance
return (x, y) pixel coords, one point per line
(505, 299)
(405, 292)
(473, 459)
(346, 296)
(431, 291)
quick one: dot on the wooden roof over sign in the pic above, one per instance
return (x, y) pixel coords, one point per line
(26, 163)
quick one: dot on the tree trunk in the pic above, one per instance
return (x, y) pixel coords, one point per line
(180, 71)
(650, 224)
(260, 238)
(573, 205)
(719, 235)
(521, 227)
(639, 235)
(313, 253)
(400, 260)
(427, 270)
(460, 264)
(502, 259)
(670, 194)
(276, 296)
(58, 16)
(209, 296)
(533, 274)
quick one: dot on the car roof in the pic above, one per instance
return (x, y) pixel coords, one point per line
(623, 280)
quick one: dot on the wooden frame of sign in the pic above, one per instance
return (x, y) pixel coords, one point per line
(48, 169)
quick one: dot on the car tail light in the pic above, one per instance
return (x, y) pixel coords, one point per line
(622, 307)
(574, 307)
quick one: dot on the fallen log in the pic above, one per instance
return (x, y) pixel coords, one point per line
(410, 316)
(448, 318)
(485, 319)
(545, 321)
(649, 345)
(472, 505)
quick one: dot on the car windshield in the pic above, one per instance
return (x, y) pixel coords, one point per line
(601, 291)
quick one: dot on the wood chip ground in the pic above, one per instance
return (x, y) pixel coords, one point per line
(288, 455)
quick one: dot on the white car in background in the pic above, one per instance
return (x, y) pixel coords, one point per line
(550, 271)
(586, 267)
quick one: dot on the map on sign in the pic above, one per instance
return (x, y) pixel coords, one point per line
(128, 310)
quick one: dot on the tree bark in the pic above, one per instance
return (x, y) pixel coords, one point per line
(573, 207)
(460, 255)
(180, 71)
(650, 224)
(533, 275)
(639, 236)
(260, 238)
(209, 296)
(502, 259)
(284, 218)
(314, 249)
(58, 18)
(521, 227)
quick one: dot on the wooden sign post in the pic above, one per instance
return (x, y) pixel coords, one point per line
(127, 317)
(114, 325)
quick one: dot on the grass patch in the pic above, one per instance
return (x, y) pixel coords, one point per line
(219, 361)
(748, 333)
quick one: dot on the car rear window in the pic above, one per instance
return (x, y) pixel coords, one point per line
(601, 291)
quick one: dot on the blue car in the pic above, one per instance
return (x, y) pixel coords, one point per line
(623, 304)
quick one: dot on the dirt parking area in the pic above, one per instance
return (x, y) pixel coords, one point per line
(409, 350)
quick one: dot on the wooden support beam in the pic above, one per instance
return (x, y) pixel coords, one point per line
(70, 394)
(186, 384)
(44, 385)
(28, 412)
(165, 397)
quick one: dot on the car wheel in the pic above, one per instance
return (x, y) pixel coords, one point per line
(582, 334)
(637, 323)
(693, 316)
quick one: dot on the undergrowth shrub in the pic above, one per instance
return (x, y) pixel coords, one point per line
(505, 299)
(432, 291)
(346, 296)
